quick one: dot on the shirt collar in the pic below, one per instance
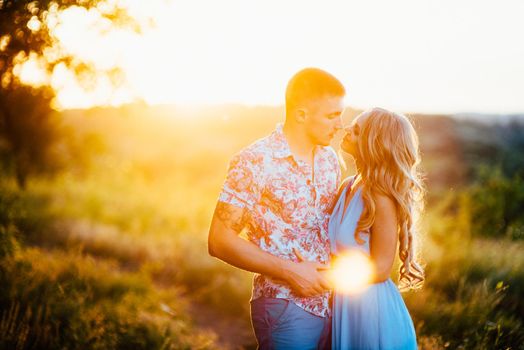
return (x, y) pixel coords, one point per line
(280, 145)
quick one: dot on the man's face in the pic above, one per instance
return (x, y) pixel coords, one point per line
(323, 119)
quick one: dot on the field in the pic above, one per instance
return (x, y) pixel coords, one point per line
(112, 251)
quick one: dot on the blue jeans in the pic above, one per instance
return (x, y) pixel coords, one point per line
(280, 324)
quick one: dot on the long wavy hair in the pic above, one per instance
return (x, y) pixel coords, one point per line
(387, 159)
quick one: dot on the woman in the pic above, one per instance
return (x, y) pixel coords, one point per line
(376, 209)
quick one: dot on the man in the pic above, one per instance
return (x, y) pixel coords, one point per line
(280, 189)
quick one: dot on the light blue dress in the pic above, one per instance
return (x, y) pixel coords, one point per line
(377, 318)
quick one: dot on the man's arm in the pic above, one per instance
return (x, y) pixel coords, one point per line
(225, 244)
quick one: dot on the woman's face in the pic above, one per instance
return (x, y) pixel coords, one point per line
(349, 143)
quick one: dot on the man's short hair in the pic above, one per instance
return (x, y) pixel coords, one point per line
(312, 83)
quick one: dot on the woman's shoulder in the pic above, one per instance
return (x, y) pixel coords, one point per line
(384, 202)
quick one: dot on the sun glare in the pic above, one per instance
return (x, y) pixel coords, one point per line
(31, 69)
(351, 272)
(234, 51)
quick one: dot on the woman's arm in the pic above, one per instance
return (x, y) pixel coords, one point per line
(384, 237)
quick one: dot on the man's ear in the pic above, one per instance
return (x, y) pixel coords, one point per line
(300, 115)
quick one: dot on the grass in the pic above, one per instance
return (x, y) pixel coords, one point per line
(472, 295)
(112, 255)
(57, 299)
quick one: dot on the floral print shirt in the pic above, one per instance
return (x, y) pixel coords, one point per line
(288, 202)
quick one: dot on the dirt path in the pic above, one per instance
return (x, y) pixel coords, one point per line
(233, 333)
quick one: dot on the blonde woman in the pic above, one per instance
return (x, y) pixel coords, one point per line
(376, 211)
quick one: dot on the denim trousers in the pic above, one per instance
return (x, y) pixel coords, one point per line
(281, 324)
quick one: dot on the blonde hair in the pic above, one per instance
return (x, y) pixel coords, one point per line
(387, 159)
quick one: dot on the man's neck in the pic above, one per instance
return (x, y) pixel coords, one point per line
(299, 144)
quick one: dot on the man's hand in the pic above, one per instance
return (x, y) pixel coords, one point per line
(305, 277)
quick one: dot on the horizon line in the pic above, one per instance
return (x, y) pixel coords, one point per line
(200, 106)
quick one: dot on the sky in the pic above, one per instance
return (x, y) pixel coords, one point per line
(441, 56)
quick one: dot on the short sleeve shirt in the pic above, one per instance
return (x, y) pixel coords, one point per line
(288, 202)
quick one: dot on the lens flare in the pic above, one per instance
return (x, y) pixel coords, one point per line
(351, 272)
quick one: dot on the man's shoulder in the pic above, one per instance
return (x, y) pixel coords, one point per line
(258, 151)
(261, 146)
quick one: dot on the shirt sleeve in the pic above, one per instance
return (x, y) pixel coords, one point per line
(242, 184)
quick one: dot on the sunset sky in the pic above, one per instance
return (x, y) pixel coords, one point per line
(409, 55)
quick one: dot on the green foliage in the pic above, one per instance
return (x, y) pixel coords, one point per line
(143, 206)
(472, 294)
(28, 132)
(24, 215)
(65, 300)
(469, 302)
(513, 157)
(31, 140)
(8, 242)
(493, 157)
(497, 204)
(8, 231)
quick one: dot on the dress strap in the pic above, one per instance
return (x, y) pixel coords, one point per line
(351, 180)
(348, 182)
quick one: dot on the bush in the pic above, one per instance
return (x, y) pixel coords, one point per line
(8, 231)
(472, 296)
(497, 204)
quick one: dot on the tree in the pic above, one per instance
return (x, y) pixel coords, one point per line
(29, 128)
